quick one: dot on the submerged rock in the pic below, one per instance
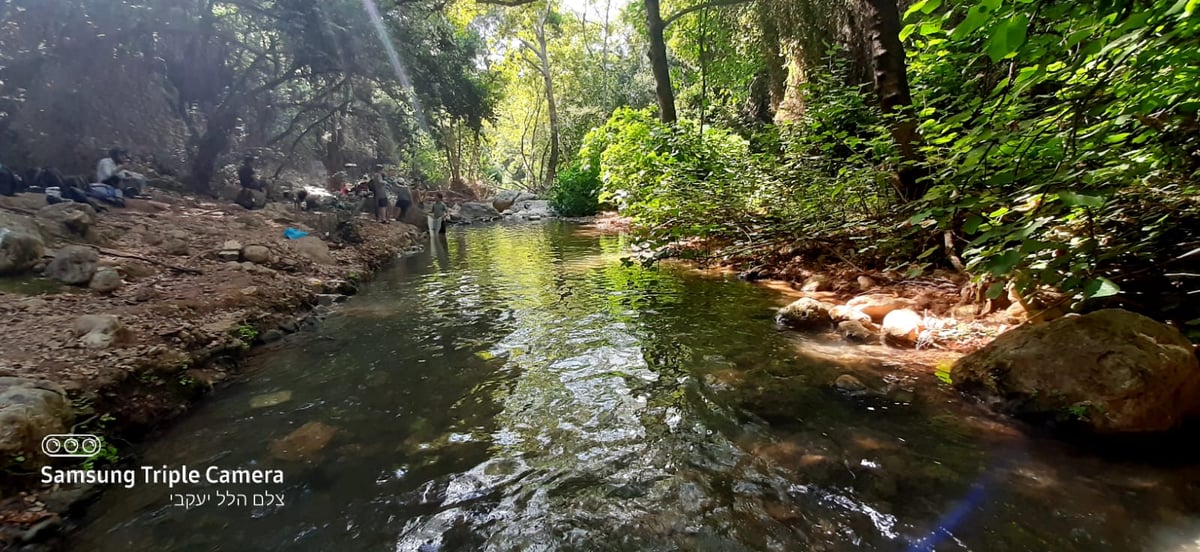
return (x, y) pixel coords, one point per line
(850, 384)
(271, 399)
(304, 443)
(1112, 371)
(854, 330)
(805, 313)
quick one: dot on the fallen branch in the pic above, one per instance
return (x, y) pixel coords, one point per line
(124, 255)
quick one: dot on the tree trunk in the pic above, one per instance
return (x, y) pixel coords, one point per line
(891, 85)
(212, 144)
(551, 108)
(658, 63)
(776, 72)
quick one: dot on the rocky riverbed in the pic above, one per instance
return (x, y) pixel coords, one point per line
(123, 318)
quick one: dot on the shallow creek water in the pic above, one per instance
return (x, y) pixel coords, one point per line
(518, 388)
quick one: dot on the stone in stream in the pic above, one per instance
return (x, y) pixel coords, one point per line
(304, 443)
(850, 384)
(73, 264)
(854, 330)
(902, 328)
(842, 313)
(1111, 371)
(330, 299)
(271, 399)
(878, 306)
(805, 313)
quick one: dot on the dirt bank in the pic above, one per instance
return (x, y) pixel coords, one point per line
(190, 304)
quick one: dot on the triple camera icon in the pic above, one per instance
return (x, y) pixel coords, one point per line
(71, 445)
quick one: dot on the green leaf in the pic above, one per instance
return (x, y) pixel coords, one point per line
(1003, 263)
(1008, 37)
(1101, 287)
(995, 290)
(972, 223)
(976, 17)
(1072, 199)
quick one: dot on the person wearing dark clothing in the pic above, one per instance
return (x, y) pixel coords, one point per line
(246, 175)
(10, 183)
(404, 201)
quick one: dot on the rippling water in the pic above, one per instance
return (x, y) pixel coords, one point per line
(521, 389)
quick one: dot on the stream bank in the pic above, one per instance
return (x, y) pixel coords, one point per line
(197, 285)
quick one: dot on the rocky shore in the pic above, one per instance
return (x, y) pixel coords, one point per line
(118, 321)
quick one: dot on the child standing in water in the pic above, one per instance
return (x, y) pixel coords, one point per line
(437, 215)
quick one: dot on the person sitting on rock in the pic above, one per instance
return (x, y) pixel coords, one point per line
(111, 171)
(246, 175)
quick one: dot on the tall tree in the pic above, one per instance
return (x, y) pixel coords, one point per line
(658, 62)
(542, 65)
(891, 86)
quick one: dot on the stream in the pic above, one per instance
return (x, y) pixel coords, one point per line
(519, 388)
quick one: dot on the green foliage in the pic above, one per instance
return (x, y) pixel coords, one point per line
(1062, 136)
(247, 333)
(577, 191)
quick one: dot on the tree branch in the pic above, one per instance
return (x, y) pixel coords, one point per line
(711, 4)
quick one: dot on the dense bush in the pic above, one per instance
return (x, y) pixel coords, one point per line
(576, 191)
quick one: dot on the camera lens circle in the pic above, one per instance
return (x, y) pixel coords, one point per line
(71, 445)
(90, 446)
(52, 445)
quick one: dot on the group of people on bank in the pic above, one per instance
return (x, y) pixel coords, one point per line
(377, 184)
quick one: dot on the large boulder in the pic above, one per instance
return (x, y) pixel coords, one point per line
(19, 251)
(470, 212)
(805, 313)
(532, 209)
(878, 306)
(67, 221)
(30, 410)
(1113, 371)
(257, 254)
(73, 264)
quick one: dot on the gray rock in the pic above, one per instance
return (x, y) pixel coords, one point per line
(68, 221)
(329, 299)
(73, 264)
(97, 331)
(1113, 371)
(805, 313)
(532, 209)
(106, 280)
(229, 255)
(29, 410)
(271, 336)
(19, 251)
(477, 212)
(258, 254)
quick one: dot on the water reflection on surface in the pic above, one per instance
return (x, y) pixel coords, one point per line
(518, 388)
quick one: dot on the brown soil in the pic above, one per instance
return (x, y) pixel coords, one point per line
(184, 329)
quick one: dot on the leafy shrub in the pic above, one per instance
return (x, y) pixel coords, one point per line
(576, 191)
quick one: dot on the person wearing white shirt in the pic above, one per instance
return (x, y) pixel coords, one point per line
(110, 170)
